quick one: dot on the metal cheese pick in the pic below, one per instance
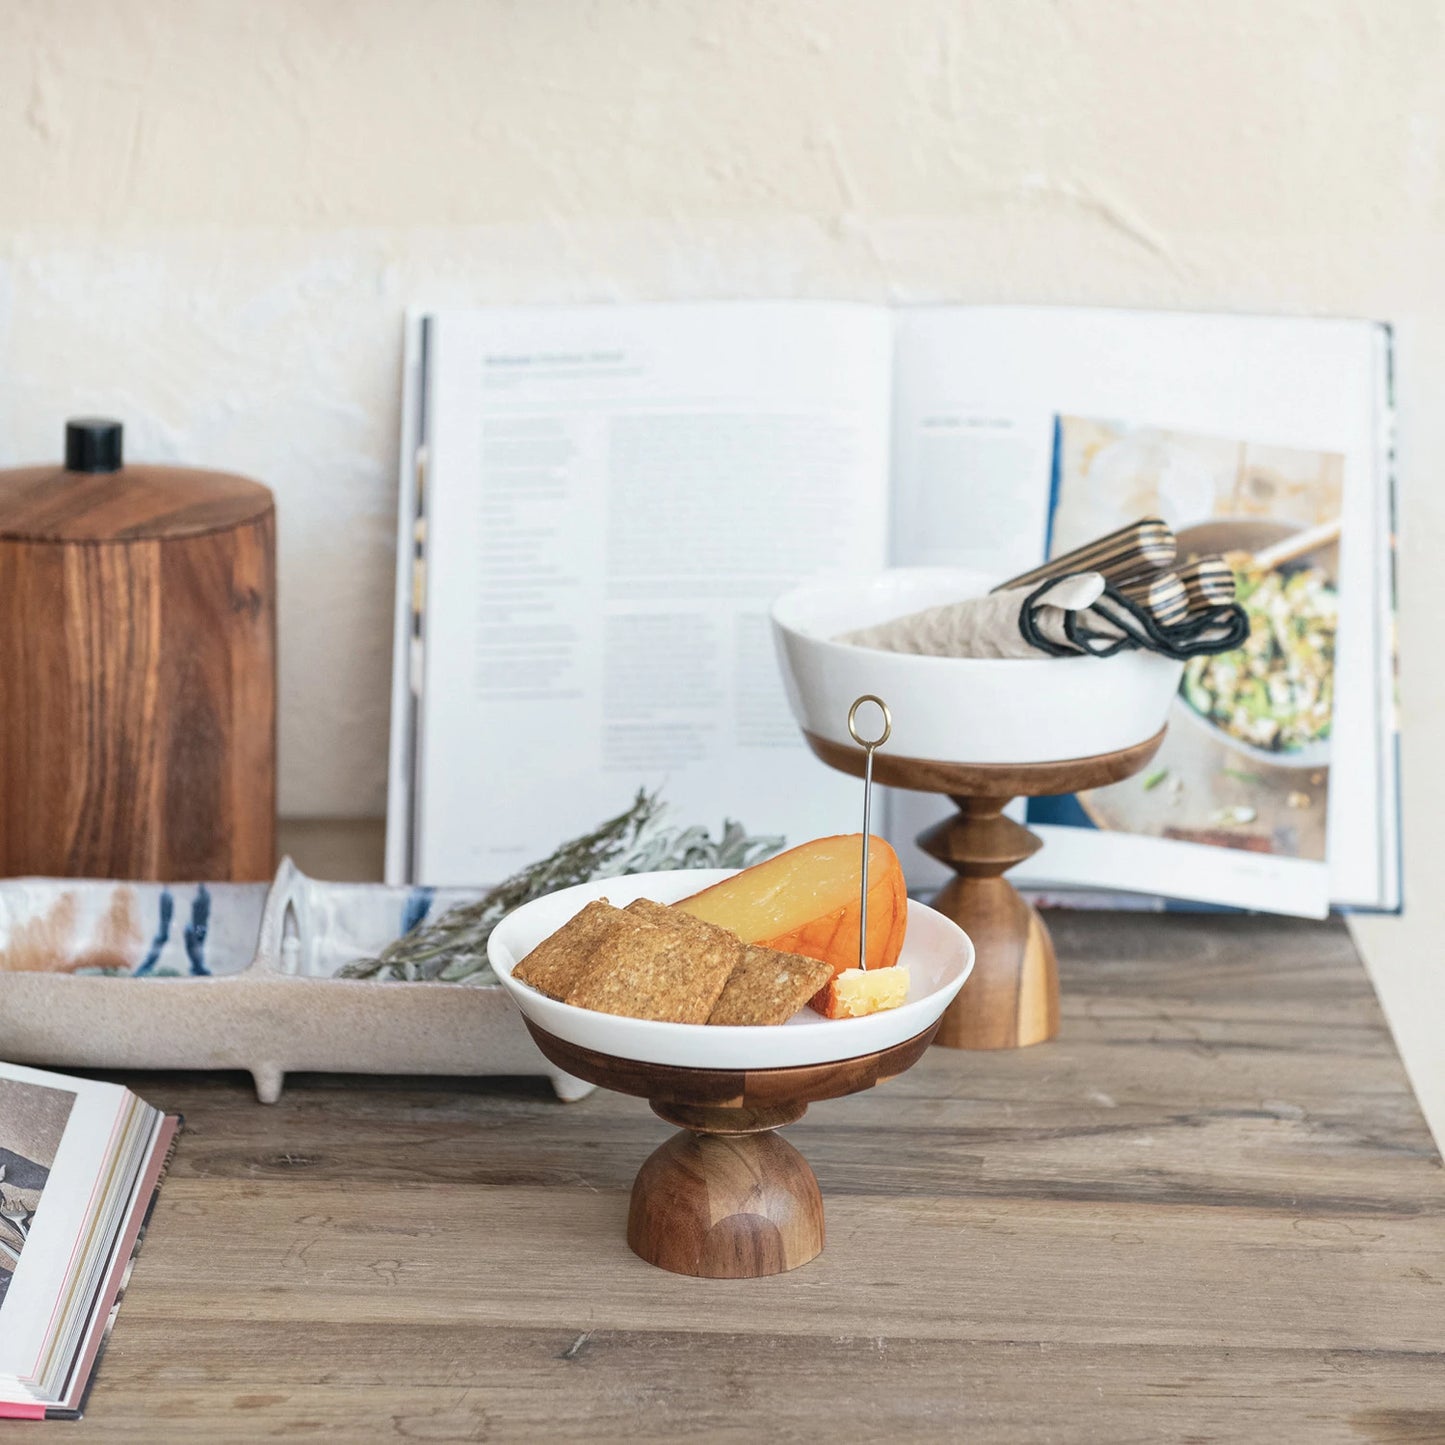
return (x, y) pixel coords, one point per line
(868, 745)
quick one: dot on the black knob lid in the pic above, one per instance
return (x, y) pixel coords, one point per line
(92, 444)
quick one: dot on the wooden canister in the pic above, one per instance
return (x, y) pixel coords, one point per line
(137, 668)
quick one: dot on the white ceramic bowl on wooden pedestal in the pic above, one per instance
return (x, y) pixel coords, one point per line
(983, 731)
(726, 1196)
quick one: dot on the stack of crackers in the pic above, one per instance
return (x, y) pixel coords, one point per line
(650, 961)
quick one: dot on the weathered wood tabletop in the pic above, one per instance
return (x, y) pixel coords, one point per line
(1209, 1211)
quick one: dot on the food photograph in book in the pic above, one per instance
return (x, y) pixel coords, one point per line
(1246, 760)
(32, 1122)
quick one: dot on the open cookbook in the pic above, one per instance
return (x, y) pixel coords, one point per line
(80, 1164)
(599, 505)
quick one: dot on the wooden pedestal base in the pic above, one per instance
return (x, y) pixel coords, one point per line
(1012, 997)
(727, 1198)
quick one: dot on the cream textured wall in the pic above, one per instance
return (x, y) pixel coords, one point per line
(212, 213)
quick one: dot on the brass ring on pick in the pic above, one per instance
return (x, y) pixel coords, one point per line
(868, 745)
(853, 722)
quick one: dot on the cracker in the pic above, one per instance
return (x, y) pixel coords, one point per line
(645, 972)
(694, 932)
(769, 987)
(564, 958)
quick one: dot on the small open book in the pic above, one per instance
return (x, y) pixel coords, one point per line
(80, 1164)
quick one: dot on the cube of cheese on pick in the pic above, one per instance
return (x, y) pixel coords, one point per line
(855, 992)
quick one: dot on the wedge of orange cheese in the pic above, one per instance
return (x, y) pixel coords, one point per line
(807, 901)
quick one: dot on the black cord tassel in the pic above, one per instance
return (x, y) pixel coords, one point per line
(1213, 630)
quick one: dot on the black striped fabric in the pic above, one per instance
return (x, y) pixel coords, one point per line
(1208, 582)
(1164, 594)
(1140, 548)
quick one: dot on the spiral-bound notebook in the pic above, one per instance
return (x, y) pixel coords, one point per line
(81, 1163)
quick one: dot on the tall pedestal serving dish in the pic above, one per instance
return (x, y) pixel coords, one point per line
(981, 732)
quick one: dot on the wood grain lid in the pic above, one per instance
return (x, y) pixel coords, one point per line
(97, 499)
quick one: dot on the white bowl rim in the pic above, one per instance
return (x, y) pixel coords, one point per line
(926, 1009)
(864, 581)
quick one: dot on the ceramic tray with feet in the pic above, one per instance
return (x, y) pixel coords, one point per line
(726, 1197)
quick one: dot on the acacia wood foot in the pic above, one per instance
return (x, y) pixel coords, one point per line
(726, 1198)
(1012, 997)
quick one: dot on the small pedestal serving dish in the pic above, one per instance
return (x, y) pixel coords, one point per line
(982, 731)
(726, 1197)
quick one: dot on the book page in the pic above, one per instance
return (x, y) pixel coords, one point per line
(1009, 374)
(1246, 761)
(58, 1142)
(616, 496)
(1389, 898)
(406, 648)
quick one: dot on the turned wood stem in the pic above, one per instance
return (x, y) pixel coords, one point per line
(1012, 997)
(707, 1119)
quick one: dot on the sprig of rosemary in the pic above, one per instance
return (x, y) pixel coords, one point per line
(453, 948)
